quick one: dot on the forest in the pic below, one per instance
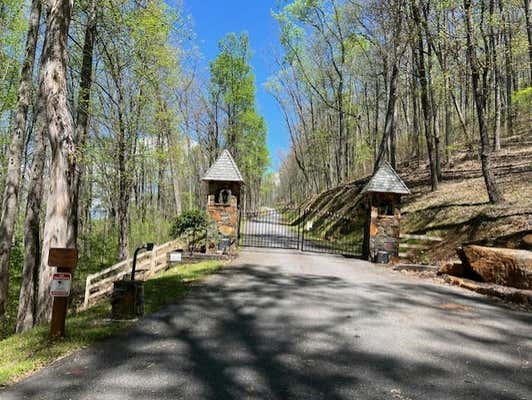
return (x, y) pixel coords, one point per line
(107, 122)
(106, 127)
(407, 81)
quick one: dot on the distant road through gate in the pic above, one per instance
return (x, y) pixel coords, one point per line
(287, 228)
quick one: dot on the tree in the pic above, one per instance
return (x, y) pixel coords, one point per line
(232, 91)
(27, 309)
(335, 40)
(12, 183)
(479, 82)
(82, 121)
(394, 12)
(393, 106)
(421, 71)
(528, 20)
(58, 120)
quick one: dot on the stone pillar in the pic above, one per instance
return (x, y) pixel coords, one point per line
(226, 217)
(382, 229)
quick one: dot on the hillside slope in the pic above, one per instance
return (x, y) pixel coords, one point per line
(459, 211)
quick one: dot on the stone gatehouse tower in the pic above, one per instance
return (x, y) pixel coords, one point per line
(224, 183)
(383, 201)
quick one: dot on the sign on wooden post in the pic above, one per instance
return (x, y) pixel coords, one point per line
(61, 284)
(65, 260)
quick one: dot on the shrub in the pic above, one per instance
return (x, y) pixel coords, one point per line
(194, 226)
(189, 222)
(523, 99)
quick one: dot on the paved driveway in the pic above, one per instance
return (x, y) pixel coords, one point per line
(268, 228)
(285, 325)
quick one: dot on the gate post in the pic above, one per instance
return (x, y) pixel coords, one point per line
(238, 230)
(298, 226)
(224, 188)
(302, 227)
(383, 201)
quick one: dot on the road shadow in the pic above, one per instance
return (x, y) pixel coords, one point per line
(262, 333)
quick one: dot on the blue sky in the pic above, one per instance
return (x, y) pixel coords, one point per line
(213, 19)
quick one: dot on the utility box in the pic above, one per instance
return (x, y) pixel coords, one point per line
(224, 245)
(127, 300)
(383, 257)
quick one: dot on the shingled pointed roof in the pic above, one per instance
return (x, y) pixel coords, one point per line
(224, 169)
(386, 180)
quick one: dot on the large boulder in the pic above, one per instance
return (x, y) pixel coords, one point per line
(507, 267)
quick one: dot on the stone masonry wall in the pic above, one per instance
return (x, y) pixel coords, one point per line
(225, 216)
(384, 233)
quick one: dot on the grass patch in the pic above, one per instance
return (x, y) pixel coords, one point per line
(27, 352)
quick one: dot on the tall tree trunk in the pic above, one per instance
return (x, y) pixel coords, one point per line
(82, 122)
(508, 69)
(53, 88)
(480, 101)
(174, 171)
(448, 122)
(415, 113)
(160, 173)
(393, 139)
(124, 189)
(432, 104)
(528, 20)
(176, 189)
(32, 225)
(390, 116)
(425, 100)
(495, 78)
(123, 225)
(15, 153)
(376, 119)
(437, 139)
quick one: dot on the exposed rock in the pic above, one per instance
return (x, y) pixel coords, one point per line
(507, 267)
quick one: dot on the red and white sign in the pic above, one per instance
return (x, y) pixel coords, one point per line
(61, 284)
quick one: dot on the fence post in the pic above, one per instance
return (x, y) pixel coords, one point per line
(87, 292)
(153, 261)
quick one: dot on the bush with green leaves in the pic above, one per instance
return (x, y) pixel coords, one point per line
(189, 222)
(523, 99)
(194, 226)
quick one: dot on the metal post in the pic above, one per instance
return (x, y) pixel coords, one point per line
(135, 262)
(148, 247)
(298, 226)
(239, 222)
(302, 233)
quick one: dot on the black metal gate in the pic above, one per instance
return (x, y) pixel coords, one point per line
(298, 229)
(269, 227)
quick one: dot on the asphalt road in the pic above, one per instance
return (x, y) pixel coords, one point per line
(287, 325)
(268, 228)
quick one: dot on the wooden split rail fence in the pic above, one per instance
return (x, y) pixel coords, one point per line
(100, 284)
